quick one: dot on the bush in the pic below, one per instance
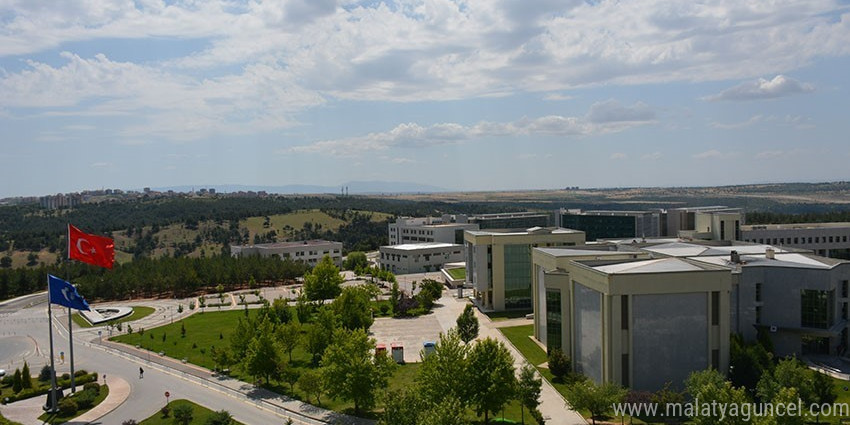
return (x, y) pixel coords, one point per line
(8, 380)
(80, 373)
(66, 376)
(44, 375)
(130, 422)
(165, 411)
(385, 308)
(183, 414)
(91, 386)
(559, 364)
(222, 417)
(67, 406)
(85, 398)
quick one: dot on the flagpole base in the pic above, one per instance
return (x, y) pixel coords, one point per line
(53, 394)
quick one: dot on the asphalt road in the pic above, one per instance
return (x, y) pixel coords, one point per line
(24, 336)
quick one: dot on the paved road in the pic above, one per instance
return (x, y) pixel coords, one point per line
(146, 395)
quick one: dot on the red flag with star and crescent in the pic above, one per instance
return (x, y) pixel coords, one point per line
(91, 249)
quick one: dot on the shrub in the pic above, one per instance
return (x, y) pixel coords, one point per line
(7, 380)
(165, 411)
(85, 399)
(385, 308)
(66, 376)
(44, 375)
(91, 386)
(183, 414)
(67, 406)
(559, 364)
(130, 422)
(80, 373)
(222, 417)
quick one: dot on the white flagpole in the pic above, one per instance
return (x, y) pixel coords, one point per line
(70, 322)
(51, 398)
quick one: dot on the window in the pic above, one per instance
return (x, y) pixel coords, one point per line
(624, 312)
(722, 230)
(796, 240)
(517, 276)
(758, 315)
(816, 308)
(715, 359)
(830, 239)
(844, 311)
(715, 308)
(758, 292)
(624, 366)
(553, 319)
(844, 288)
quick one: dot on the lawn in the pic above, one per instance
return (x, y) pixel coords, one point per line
(284, 223)
(457, 273)
(498, 316)
(200, 415)
(57, 419)
(139, 312)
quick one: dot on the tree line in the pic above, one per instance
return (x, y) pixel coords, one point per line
(152, 277)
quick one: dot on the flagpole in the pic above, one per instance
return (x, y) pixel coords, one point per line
(70, 322)
(51, 398)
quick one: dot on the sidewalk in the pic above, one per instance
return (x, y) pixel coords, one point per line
(274, 401)
(27, 411)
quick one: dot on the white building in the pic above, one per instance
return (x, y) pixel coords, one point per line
(823, 238)
(309, 252)
(419, 257)
(446, 229)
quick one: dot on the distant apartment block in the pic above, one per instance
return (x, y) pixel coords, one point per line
(419, 257)
(498, 263)
(309, 252)
(826, 239)
(607, 224)
(60, 200)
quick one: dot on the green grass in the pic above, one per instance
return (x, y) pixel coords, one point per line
(498, 316)
(457, 273)
(139, 312)
(58, 419)
(200, 415)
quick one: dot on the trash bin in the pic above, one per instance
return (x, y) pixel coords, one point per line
(398, 352)
(380, 349)
(429, 347)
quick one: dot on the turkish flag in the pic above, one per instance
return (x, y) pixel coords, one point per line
(92, 249)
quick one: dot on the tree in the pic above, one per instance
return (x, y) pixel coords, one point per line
(788, 373)
(311, 383)
(824, 391)
(17, 386)
(710, 385)
(281, 310)
(489, 392)
(355, 260)
(323, 282)
(26, 376)
(288, 374)
(221, 357)
(559, 364)
(352, 371)
(448, 359)
(288, 336)
(448, 412)
(747, 362)
(353, 307)
(6, 262)
(467, 324)
(528, 389)
(241, 337)
(319, 335)
(595, 398)
(303, 308)
(183, 414)
(262, 357)
(221, 417)
(402, 407)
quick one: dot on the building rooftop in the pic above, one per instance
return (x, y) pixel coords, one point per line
(684, 249)
(790, 260)
(423, 245)
(314, 242)
(792, 226)
(530, 231)
(658, 265)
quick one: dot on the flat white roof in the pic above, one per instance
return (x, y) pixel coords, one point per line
(683, 249)
(530, 231)
(796, 226)
(660, 265)
(790, 260)
(423, 245)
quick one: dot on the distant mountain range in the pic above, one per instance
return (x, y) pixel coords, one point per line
(354, 187)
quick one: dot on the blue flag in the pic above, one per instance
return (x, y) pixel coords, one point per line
(63, 293)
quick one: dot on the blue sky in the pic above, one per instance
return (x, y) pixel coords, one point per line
(466, 95)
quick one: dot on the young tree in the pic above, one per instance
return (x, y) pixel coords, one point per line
(528, 389)
(312, 384)
(352, 371)
(489, 392)
(281, 311)
(183, 414)
(288, 374)
(448, 412)
(710, 385)
(17, 386)
(241, 337)
(467, 324)
(319, 335)
(353, 307)
(402, 407)
(595, 398)
(824, 391)
(323, 282)
(288, 336)
(355, 260)
(262, 357)
(559, 364)
(788, 373)
(26, 376)
(448, 359)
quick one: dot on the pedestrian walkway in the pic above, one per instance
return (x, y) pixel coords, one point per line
(27, 411)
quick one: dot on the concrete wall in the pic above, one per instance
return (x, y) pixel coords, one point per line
(670, 333)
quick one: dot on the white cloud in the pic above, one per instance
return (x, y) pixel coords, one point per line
(101, 165)
(654, 156)
(616, 118)
(558, 97)
(779, 86)
(618, 156)
(769, 154)
(755, 119)
(709, 154)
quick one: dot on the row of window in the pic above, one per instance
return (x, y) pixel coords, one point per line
(799, 240)
(417, 232)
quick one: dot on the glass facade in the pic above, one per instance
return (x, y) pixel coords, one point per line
(817, 308)
(517, 276)
(554, 319)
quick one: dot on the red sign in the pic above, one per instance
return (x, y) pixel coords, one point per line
(167, 394)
